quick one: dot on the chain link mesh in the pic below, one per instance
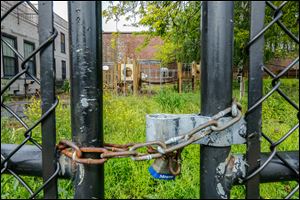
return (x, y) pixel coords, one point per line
(28, 129)
(278, 14)
(28, 136)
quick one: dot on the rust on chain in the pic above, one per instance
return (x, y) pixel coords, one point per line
(121, 154)
(147, 144)
(70, 155)
(119, 146)
(141, 156)
(64, 144)
(114, 149)
(175, 158)
(66, 147)
(230, 123)
(93, 149)
(92, 160)
(155, 149)
(150, 149)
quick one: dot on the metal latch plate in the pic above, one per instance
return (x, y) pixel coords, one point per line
(165, 126)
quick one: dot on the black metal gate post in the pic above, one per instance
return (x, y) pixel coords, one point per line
(85, 28)
(48, 98)
(254, 120)
(216, 85)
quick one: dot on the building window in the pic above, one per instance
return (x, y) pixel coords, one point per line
(28, 49)
(10, 59)
(63, 43)
(63, 69)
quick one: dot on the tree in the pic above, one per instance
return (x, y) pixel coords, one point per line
(178, 24)
(173, 21)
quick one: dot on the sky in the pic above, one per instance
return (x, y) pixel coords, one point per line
(61, 9)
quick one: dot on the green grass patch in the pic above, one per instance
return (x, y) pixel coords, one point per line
(124, 121)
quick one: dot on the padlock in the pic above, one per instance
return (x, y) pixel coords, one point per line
(171, 128)
(160, 169)
(163, 168)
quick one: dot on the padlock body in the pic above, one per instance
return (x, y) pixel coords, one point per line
(160, 169)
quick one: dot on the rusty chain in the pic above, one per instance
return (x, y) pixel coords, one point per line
(155, 149)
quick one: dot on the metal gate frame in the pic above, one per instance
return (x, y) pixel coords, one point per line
(86, 103)
(217, 46)
(256, 98)
(49, 167)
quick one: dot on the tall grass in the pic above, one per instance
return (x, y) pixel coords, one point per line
(124, 121)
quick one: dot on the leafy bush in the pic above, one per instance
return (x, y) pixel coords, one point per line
(66, 86)
(6, 96)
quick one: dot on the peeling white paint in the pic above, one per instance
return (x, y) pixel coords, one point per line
(84, 102)
(221, 168)
(62, 162)
(81, 173)
(239, 165)
(165, 126)
(221, 191)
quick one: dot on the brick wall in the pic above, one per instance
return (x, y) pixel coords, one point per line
(126, 47)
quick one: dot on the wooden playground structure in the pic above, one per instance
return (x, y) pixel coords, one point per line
(133, 75)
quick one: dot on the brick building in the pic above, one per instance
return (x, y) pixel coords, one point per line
(20, 29)
(118, 46)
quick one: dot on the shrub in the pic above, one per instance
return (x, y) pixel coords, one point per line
(66, 86)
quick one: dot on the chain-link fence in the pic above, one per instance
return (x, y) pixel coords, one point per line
(261, 167)
(47, 35)
(256, 98)
(155, 76)
(219, 169)
(187, 77)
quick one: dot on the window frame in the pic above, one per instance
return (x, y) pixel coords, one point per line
(63, 75)
(16, 59)
(62, 44)
(34, 59)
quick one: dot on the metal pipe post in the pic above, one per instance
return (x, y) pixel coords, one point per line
(216, 92)
(255, 93)
(45, 29)
(85, 28)
(28, 161)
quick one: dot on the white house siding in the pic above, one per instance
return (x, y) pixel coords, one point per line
(23, 25)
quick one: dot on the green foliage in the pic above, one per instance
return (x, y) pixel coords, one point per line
(178, 23)
(63, 87)
(172, 102)
(166, 53)
(114, 40)
(241, 32)
(174, 22)
(278, 43)
(66, 86)
(124, 121)
(12, 132)
(6, 96)
(144, 44)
